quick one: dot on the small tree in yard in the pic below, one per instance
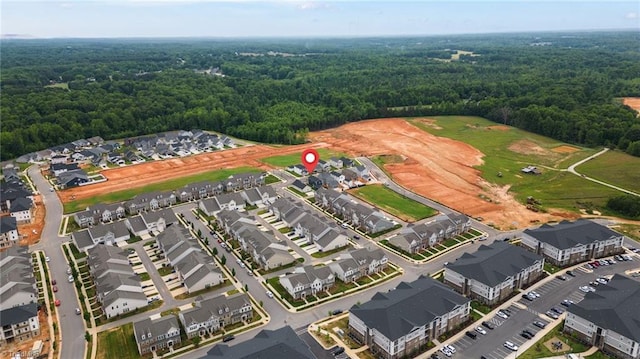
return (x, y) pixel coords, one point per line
(199, 232)
(233, 272)
(206, 241)
(223, 260)
(215, 251)
(196, 341)
(87, 336)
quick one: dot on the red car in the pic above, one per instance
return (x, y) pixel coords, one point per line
(57, 302)
(55, 289)
(53, 282)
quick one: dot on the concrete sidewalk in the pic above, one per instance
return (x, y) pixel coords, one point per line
(591, 351)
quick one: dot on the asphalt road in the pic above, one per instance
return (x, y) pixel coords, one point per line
(71, 325)
(524, 312)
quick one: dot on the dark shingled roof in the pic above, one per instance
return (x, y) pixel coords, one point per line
(492, 264)
(567, 234)
(282, 343)
(8, 224)
(19, 314)
(614, 306)
(410, 305)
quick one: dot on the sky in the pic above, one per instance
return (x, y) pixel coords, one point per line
(300, 18)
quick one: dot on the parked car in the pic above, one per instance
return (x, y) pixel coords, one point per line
(471, 334)
(552, 314)
(529, 296)
(567, 303)
(539, 324)
(446, 351)
(481, 330)
(57, 302)
(55, 289)
(54, 282)
(557, 310)
(487, 325)
(269, 294)
(602, 280)
(337, 311)
(451, 348)
(355, 236)
(535, 293)
(228, 338)
(570, 273)
(47, 259)
(70, 279)
(510, 345)
(587, 289)
(502, 314)
(561, 277)
(526, 335)
(337, 351)
(78, 311)
(68, 270)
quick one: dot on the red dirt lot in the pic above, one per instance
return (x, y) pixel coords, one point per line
(159, 171)
(435, 167)
(633, 102)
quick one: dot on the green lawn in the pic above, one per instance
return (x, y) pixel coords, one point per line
(402, 207)
(551, 187)
(173, 184)
(295, 158)
(539, 350)
(117, 343)
(615, 168)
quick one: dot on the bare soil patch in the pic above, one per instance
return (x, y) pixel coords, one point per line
(146, 173)
(499, 128)
(527, 147)
(560, 348)
(565, 149)
(26, 346)
(428, 122)
(32, 231)
(435, 167)
(633, 102)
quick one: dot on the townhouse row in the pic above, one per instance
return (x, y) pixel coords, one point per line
(351, 211)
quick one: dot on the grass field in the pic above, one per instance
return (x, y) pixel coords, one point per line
(117, 343)
(62, 85)
(555, 188)
(616, 168)
(402, 207)
(170, 185)
(295, 158)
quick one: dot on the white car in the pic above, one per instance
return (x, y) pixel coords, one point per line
(481, 330)
(269, 294)
(70, 279)
(602, 280)
(510, 345)
(502, 315)
(446, 351)
(47, 259)
(450, 348)
(344, 225)
(535, 294)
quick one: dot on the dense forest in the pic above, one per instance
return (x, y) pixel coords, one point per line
(565, 86)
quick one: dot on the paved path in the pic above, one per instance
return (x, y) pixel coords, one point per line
(572, 169)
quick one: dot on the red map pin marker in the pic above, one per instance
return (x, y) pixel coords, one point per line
(310, 159)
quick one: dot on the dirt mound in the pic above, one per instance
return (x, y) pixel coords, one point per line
(499, 128)
(633, 102)
(435, 167)
(527, 147)
(565, 149)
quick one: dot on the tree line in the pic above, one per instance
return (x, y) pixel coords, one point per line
(567, 90)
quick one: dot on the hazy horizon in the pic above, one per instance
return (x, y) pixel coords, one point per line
(228, 19)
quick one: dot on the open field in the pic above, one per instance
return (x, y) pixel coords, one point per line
(449, 170)
(62, 85)
(117, 343)
(148, 173)
(295, 158)
(389, 201)
(169, 185)
(616, 168)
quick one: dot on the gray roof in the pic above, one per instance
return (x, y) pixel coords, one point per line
(82, 239)
(8, 224)
(410, 305)
(299, 184)
(167, 213)
(103, 253)
(200, 274)
(614, 306)
(119, 229)
(18, 252)
(137, 223)
(213, 307)
(19, 314)
(492, 264)
(121, 294)
(21, 204)
(228, 197)
(156, 327)
(14, 288)
(281, 343)
(113, 281)
(567, 234)
(211, 205)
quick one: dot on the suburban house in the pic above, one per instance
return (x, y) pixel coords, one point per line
(152, 222)
(57, 159)
(360, 216)
(281, 343)
(609, 318)
(10, 191)
(298, 169)
(118, 288)
(150, 202)
(21, 210)
(19, 323)
(17, 283)
(568, 243)
(200, 190)
(154, 334)
(259, 196)
(322, 179)
(8, 232)
(398, 323)
(106, 212)
(322, 166)
(263, 248)
(307, 281)
(209, 315)
(415, 238)
(494, 272)
(110, 233)
(231, 201)
(358, 263)
(59, 168)
(301, 186)
(73, 178)
(335, 162)
(195, 269)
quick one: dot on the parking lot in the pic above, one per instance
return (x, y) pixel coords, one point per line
(522, 313)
